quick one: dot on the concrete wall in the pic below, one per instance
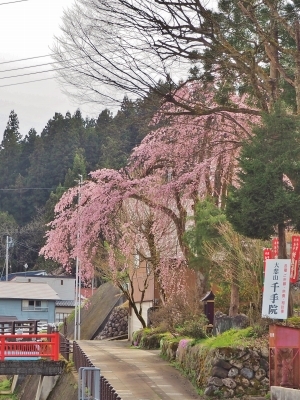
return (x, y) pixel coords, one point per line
(133, 322)
(280, 393)
(65, 387)
(13, 307)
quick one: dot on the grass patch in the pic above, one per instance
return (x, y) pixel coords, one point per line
(231, 338)
(5, 384)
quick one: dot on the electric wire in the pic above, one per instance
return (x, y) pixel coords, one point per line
(22, 83)
(25, 59)
(32, 73)
(33, 66)
(11, 2)
(32, 188)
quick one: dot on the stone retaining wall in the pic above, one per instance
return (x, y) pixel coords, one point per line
(117, 324)
(225, 372)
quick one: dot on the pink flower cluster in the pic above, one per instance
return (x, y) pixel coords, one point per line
(146, 207)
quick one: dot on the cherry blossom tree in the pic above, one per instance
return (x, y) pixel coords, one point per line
(150, 202)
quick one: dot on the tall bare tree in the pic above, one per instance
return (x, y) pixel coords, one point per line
(112, 47)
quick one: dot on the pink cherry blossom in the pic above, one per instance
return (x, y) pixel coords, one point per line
(184, 159)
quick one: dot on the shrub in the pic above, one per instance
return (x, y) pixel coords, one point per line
(180, 311)
(195, 328)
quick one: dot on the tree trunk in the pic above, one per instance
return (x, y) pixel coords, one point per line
(234, 299)
(297, 69)
(282, 254)
(274, 74)
(137, 313)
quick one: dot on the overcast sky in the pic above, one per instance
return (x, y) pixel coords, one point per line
(26, 31)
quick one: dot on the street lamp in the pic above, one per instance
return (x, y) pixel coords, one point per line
(25, 266)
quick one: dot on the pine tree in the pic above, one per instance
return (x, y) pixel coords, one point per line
(267, 198)
(10, 151)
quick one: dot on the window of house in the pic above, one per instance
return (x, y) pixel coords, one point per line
(60, 317)
(34, 305)
(61, 282)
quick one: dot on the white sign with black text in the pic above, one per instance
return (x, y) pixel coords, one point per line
(276, 289)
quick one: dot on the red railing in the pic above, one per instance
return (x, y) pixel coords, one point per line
(44, 345)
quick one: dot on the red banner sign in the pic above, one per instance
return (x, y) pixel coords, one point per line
(267, 256)
(295, 253)
(275, 247)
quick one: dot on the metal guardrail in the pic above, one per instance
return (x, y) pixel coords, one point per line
(65, 347)
(88, 383)
(80, 359)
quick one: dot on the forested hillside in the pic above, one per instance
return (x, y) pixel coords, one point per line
(36, 169)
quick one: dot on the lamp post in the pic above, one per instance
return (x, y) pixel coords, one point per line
(25, 266)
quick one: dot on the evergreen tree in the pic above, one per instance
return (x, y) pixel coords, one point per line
(8, 227)
(10, 151)
(27, 148)
(208, 218)
(79, 168)
(266, 199)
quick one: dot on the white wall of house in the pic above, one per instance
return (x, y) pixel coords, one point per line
(133, 322)
(63, 286)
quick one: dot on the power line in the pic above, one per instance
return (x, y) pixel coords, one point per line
(30, 66)
(33, 73)
(11, 2)
(36, 65)
(32, 188)
(22, 83)
(25, 59)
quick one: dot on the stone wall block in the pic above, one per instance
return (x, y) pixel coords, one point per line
(265, 382)
(222, 364)
(260, 374)
(240, 352)
(264, 364)
(265, 353)
(233, 372)
(245, 382)
(210, 390)
(228, 394)
(214, 381)
(246, 357)
(255, 367)
(239, 391)
(229, 383)
(237, 364)
(247, 373)
(219, 372)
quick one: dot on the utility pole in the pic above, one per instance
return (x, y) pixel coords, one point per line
(6, 258)
(77, 321)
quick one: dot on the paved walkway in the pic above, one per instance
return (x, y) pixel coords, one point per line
(137, 374)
